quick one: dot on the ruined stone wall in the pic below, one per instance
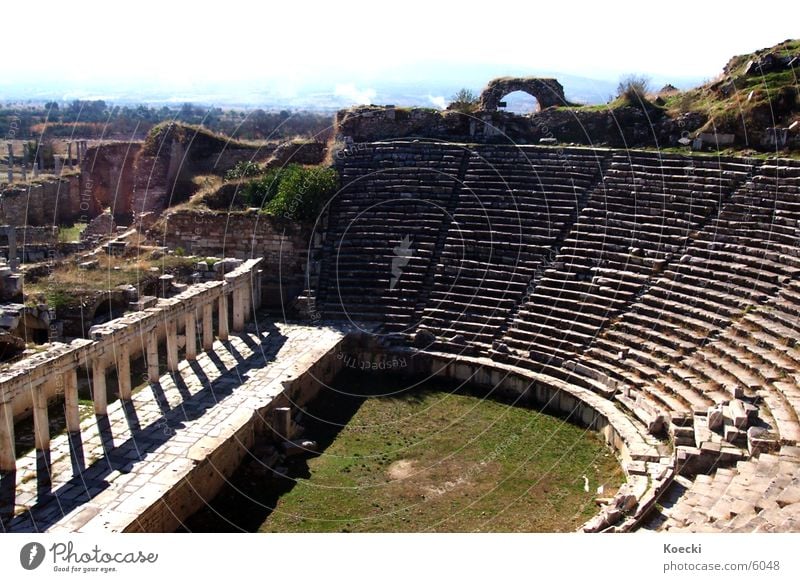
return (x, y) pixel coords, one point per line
(622, 127)
(108, 172)
(42, 203)
(283, 244)
(548, 92)
(37, 235)
(133, 179)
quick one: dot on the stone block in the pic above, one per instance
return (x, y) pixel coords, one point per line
(737, 414)
(716, 418)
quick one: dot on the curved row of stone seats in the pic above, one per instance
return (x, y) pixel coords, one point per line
(384, 228)
(757, 358)
(756, 495)
(515, 205)
(635, 222)
(670, 345)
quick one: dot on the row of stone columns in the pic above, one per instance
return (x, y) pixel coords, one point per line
(71, 161)
(244, 298)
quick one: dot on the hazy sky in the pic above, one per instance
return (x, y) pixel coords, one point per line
(294, 42)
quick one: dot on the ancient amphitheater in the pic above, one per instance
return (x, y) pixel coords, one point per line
(653, 297)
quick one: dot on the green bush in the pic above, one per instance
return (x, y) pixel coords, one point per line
(245, 169)
(257, 193)
(58, 298)
(301, 192)
(464, 101)
(294, 191)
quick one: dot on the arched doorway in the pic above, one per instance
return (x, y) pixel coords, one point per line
(519, 102)
(107, 310)
(548, 92)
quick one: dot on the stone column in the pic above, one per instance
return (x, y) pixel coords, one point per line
(41, 423)
(41, 439)
(10, 163)
(248, 297)
(69, 154)
(99, 389)
(238, 308)
(11, 233)
(79, 151)
(223, 317)
(8, 457)
(24, 164)
(172, 345)
(283, 422)
(191, 335)
(257, 289)
(71, 401)
(153, 374)
(124, 373)
(208, 327)
(57, 165)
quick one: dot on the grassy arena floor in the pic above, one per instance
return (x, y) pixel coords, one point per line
(425, 460)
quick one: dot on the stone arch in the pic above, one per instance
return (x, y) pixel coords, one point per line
(32, 329)
(548, 92)
(109, 308)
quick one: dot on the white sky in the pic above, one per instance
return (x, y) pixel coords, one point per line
(293, 41)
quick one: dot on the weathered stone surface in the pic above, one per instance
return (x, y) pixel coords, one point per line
(548, 92)
(145, 483)
(423, 338)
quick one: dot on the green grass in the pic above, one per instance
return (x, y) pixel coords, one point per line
(71, 233)
(425, 461)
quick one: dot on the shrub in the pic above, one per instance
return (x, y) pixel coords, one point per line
(257, 193)
(633, 89)
(245, 169)
(301, 192)
(464, 101)
(58, 299)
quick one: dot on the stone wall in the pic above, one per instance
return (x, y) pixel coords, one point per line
(297, 152)
(622, 127)
(45, 202)
(135, 178)
(37, 235)
(108, 172)
(282, 243)
(212, 461)
(33, 243)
